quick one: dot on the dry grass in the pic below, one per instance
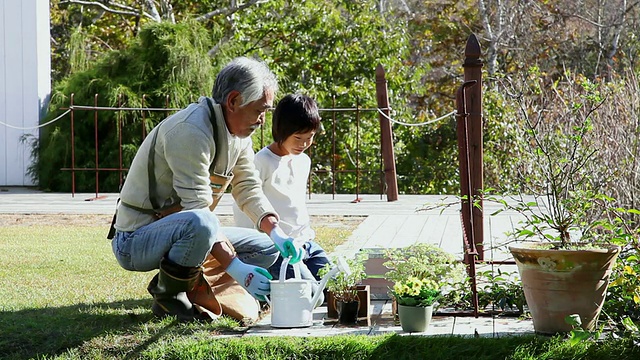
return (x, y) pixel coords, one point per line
(331, 231)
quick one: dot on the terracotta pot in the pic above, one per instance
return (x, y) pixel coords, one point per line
(415, 318)
(558, 283)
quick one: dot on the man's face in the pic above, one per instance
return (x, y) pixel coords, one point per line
(243, 121)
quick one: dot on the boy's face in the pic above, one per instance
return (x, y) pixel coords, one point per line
(298, 142)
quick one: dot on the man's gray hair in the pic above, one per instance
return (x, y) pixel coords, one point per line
(251, 78)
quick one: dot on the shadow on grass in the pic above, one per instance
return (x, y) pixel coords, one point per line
(525, 347)
(450, 347)
(33, 333)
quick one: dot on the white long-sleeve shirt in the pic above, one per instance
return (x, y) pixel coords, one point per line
(284, 182)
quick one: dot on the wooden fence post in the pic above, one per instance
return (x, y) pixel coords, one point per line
(386, 136)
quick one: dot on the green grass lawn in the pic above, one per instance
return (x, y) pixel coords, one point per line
(63, 296)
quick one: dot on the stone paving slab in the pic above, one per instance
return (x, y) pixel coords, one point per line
(382, 323)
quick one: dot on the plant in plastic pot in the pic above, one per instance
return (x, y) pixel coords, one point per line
(427, 262)
(344, 288)
(416, 299)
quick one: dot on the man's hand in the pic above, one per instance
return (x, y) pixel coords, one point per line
(253, 278)
(286, 245)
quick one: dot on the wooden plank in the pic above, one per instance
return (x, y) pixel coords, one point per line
(410, 230)
(451, 240)
(499, 225)
(360, 236)
(385, 232)
(433, 230)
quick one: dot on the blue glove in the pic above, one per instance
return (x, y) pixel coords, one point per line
(285, 244)
(253, 278)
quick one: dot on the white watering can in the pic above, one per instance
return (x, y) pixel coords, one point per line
(292, 302)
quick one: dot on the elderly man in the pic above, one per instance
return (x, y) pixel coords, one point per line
(165, 218)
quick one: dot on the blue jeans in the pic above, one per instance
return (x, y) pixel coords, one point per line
(314, 258)
(186, 238)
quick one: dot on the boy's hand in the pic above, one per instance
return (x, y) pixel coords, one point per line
(286, 245)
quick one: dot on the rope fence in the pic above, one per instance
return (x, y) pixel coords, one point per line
(107, 108)
(36, 127)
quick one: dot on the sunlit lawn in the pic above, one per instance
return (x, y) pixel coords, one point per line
(61, 288)
(63, 296)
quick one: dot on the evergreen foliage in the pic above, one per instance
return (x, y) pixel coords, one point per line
(167, 64)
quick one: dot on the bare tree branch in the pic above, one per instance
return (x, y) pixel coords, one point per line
(230, 10)
(167, 10)
(123, 7)
(116, 8)
(151, 6)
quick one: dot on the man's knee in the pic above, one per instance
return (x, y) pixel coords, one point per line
(206, 224)
(205, 227)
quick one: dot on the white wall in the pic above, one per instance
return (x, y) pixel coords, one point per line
(25, 83)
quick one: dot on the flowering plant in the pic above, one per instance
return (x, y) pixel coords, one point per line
(425, 262)
(430, 264)
(416, 292)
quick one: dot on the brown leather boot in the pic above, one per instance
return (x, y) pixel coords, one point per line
(169, 290)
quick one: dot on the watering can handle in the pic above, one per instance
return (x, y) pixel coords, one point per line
(283, 274)
(283, 269)
(296, 270)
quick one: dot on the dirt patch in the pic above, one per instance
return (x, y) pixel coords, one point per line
(55, 219)
(105, 220)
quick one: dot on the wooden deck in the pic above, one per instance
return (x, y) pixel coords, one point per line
(444, 230)
(380, 232)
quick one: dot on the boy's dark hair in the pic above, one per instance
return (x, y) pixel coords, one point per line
(294, 113)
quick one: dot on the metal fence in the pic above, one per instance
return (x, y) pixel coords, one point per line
(352, 156)
(340, 164)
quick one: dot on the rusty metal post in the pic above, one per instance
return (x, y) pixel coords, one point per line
(309, 178)
(466, 212)
(473, 99)
(357, 150)
(95, 139)
(144, 117)
(96, 149)
(386, 135)
(333, 147)
(73, 150)
(166, 105)
(119, 130)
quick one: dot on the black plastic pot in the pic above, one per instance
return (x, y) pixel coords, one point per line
(348, 311)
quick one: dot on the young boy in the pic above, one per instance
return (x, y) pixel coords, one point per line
(284, 169)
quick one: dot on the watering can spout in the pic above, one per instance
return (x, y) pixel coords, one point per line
(341, 265)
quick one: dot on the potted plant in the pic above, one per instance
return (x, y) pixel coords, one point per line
(426, 262)
(345, 295)
(576, 228)
(415, 299)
